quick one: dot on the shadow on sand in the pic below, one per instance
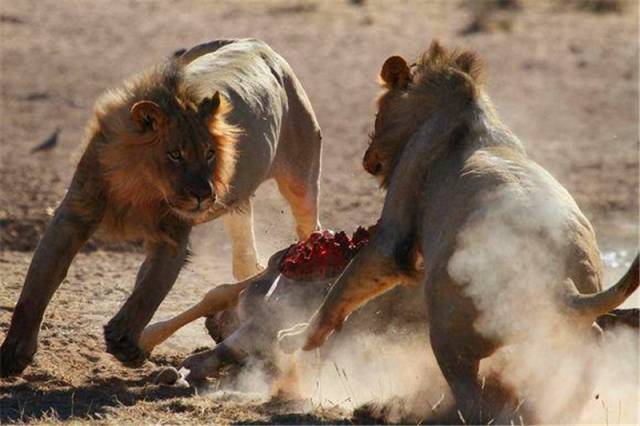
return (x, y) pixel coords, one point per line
(22, 402)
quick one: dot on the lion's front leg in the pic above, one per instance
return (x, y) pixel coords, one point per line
(155, 278)
(372, 272)
(62, 239)
(239, 227)
(365, 278)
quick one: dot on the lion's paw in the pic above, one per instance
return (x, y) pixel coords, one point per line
(14, 358)
(122, 345)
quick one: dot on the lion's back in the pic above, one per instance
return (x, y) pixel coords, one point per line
(503, 208)
(247, 68)
(521, 214)
(250, 74)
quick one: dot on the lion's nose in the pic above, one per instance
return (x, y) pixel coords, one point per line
(372, 164)
(201, 192)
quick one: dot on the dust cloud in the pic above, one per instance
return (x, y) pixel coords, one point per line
(510, 257)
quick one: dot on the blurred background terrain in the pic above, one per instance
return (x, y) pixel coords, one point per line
(563, 76)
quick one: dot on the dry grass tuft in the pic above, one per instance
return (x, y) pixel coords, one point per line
(295, 8)
(599, 6)
(490, 15)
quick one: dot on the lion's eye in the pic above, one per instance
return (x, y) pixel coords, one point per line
(210, 155)
(175, 155)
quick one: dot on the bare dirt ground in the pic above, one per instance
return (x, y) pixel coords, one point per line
(564, 79)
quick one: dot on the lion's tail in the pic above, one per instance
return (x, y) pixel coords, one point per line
(596, 304)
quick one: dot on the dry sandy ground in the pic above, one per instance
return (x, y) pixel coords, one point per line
(565, 80)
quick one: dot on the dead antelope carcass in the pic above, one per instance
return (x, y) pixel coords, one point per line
(245, 318)
(258, 308)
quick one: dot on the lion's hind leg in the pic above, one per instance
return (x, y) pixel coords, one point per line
(458, 351)
(74, 222)
(298, 180)
(297, 170)
(461, 374)
(302, 197)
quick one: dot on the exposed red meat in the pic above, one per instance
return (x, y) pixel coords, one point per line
(323, 254)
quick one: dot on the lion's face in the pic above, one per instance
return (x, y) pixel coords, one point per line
(184, 154)
(188, 162)
(172, 156)
(385, 142)
(439, 80)
(389, 135)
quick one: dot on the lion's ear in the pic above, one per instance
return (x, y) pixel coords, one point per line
(469, 63)
(395, 72)
(209, 106)
(147, 116)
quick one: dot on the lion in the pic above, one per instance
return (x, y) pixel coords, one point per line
(180, 144)
(462, 191)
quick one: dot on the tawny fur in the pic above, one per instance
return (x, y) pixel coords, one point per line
(128, 161)
(448, 164)
(178, 145)
(440, 79)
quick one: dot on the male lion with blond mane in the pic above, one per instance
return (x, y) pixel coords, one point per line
(485, 217)
(178, 145)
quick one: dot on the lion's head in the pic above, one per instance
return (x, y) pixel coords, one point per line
(164, 147)
(439, 79)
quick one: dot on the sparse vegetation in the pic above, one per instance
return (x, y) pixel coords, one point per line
(599, 6)
(490, 15)
(299, 7)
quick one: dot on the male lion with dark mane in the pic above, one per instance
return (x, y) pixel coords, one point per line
(183, 143)
(503, 242)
